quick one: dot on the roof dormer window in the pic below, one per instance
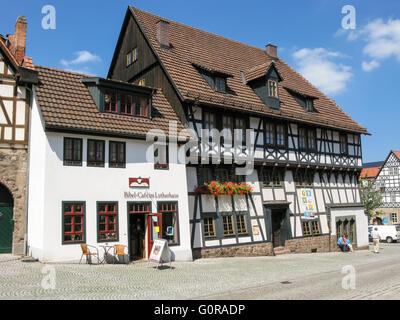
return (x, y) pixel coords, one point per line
(120, 98)
(273, 88)
(305, 100)
(220, 84)
(110, 102)
(309, 105)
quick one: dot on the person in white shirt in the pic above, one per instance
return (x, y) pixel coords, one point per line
(376, 238)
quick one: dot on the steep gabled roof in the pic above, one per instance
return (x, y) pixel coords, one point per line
(367, 173)
(66, 104)
(8, 53)
(396, 153)
(27, 61)
(189, 44)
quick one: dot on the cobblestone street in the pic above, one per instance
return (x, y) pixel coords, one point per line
(310, 276)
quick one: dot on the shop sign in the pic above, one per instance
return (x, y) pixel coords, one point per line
(139, 182)
(150, 195)
(307, 203)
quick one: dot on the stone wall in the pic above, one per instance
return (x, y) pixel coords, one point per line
(13, 170)
(315, 244)
(248, 250)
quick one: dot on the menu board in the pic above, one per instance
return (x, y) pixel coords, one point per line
(307, 204)
(160, 252)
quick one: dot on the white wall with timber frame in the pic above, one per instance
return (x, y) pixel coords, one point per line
(388, 182)
(334, 176)
(14, 108)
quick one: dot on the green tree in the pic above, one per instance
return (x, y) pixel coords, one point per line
(371, 197)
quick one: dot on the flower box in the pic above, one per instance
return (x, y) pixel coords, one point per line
(217, 188)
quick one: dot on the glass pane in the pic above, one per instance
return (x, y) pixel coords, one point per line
(155, 228)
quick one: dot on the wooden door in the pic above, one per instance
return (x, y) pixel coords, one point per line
(276, 228)
(154, 225)
(6, 227)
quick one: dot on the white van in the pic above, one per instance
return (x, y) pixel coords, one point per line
(387, 233)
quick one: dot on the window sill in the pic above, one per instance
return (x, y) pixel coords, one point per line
(117, 166)
(73, 165)
(161, 167)
(96, 165)
(105, 241)
(71, 243)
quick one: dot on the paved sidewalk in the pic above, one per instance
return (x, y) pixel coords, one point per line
(187, 280)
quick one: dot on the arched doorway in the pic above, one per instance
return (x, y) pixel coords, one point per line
(6, 220)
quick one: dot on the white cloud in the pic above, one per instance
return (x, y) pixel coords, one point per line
(382, 41)
(352, 35)
(369, 66)
(81, 57)
(317, 66)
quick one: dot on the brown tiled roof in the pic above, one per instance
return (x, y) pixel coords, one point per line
(8, 52)
(27, 62)
(257, 71)
(369, 172)
(397, 153)
(65, 103)
(232, 57)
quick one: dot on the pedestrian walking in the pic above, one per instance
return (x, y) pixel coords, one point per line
(376, 238)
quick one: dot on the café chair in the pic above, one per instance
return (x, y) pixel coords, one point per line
(86, 252)
(119, 250)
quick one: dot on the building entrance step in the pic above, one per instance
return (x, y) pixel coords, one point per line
(281, 250)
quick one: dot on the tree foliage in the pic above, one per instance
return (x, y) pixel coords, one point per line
(371, 197)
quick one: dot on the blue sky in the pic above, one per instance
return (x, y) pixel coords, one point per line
(357, 68)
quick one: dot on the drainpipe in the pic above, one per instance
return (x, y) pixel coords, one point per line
(27, 171)
(329, 227)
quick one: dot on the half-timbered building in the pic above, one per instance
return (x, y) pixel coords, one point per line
(387, 181)
(307, 150)
(297, 163)
(16, 78)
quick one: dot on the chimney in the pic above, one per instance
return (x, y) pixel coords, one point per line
(20, 38)
(272, 50)
(163, 33)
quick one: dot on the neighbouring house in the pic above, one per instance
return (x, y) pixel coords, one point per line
(91, 181)
(387, 180)
(95, 183)
(370, 170)
(17, 75)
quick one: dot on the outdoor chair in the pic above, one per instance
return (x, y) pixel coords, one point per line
(119, 250)
(86, 251)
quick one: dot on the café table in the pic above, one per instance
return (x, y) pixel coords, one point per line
(106, 249)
